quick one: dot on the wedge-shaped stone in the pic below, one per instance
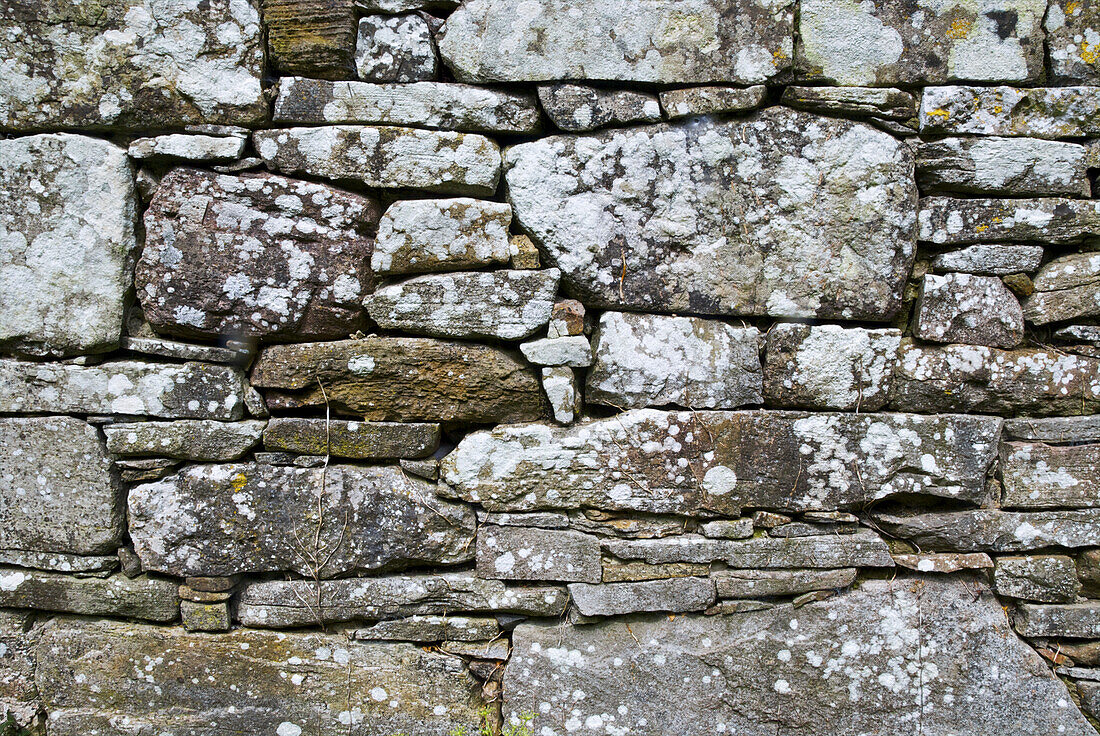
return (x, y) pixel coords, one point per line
(577, 107)
(882, 102)
(188, 147)
(687, 461)
(944, 562)
(152, 599)
(1010, 166)
(279, 604)
(1055, 429)
(741, 41)
(1066, 288)
(314, 38)
(1073, 40)
(1078, 620)
(1038, 476)
(182, 390)
(1044, 112)
(432, 628)
(993, 259)
(425, 235)
(402, 379)
(765, 583)
(682, 103)
(187, 439)
(440, 105)
(962, 307)
(675, 595)
(359, 440)
(890, 649)
(93, 675)
(715, 217)
(991, 530)
(945, 220)
(386, 156)
(1045, 578)
(502, 305)
(527, 553)
(220, 520)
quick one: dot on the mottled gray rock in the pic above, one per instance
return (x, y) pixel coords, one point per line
(714, 217)
(765, 583)
(577, 107)
(727, 528)
(403, 6)
(188, 147)
(992, 530)
(675, 595)
(386, 156)
(56, 490)
(205, 616)
(574, 351)
(242, 518)
(1008, 166)
(133, 64)
(1088, 572)
(396, 48)
(1066, 288)
(682, 103)
(919, 655)
(963, 308)
(652, 360)
(18, 694)
(563, 391)
(741, 41)
(1044, 578)
(503, 305)
(1073, 40)
(1085, 333)
(619, 571)
(994, 259)
(1055, 429)
(313, 38)
(529, 553)
(67, 213)
(944, 562)
(142, 597)
(94, 675)
(187, 439)
(945, 220)
(359, 440)
(829, 367)
(60, 561)
(425, 235)
(432, 628)
(1077, 620)
(687, 461)
(185, 351)
(881, 102)
(543, 520)
(1039, 476)
(1044, 112)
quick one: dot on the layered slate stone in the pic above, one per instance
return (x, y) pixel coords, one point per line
(131, 64)
(67, 213)
(883, 102)
(385, 156)
(314, 38)
(714, 217)
(675, 595)
(924, 42)
(255, 255)
(395, 49)
(991, 259)
(1044, 578)
(1043, 112)
(526, 553)
(686, 461)
(186, 439)
(92, 674)
(402, 379)
(1040, 476)
(992, 530)
(740, 41)
(220, 520)
(961, 307)
(1073, 37)
(921, 655)
(427, 235)
(360, 440)
(1066, 288)
(766, 583)
(1010, 166)
(1078, 620)
(57, 494)
(152, 599)
(578, 107)
(946, 220)
(681, 103)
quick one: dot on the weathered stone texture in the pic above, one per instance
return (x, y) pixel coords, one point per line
(945, 220)
(432, 628)
(1010, 166)
(1055, 429)
(145, 598)
(360, 440)
(563, 392)
(884, 102)
(525, 553)
(944, 562)
(1073, 37)
(682, 103)
(963, 308)
(993, 259)
(186, 439)
(1045, 578)
(577, 107)
(1079, 620)
(188, 147)
(675, 595)
(1066, 288)
(1039, 476)
(765, 583)
(1044, 112)
(18, 694)
(425, 235)
(992, 530)
(574, 351)
(314, 38)
(395, 49)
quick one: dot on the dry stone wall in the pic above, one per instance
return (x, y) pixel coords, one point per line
(542, 367)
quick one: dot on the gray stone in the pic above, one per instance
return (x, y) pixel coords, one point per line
(618, 571)
(1044, 112)
(741, 41)
(67, 212)
(432, 628)
(963, 308)
(425, 235)
(675, 595)
(529, 553)
(1073, 40)
(1086, 333)
(682, 103)
(893, 652)
(804, 529)
(1090, 698)
(944, 562)
(60, 561)
(653, 360)
(403, 6)
(1055, 429)
(880, 102)
(313, 38)
(626, 525)
(1066, 288)
(359, 440)
(145, 598)
(1077, 620)
(396, 48)
(1040, 476)
(563, 391)
(1088, 572)
(187, 439)
(992, 530)
(245, 518)
(948, 221)
(574, 351)
(727, 528)
(829, 367)
(503, 305)
(993, 259)
(497, 649)
(18, 694)
(543, 520)
(205, 616)
(131, 64)
(1044, 578)
(386, 156)
(577, 107)
(767, 583)
(184, 351)
(693, 217)
(1006, 166)
(188, 147)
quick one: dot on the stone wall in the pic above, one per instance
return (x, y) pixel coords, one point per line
(665, 368)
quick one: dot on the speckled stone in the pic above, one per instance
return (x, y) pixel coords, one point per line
(992, 259)
(1073, 39)
(1008, 166)
(427, 235)
(682, 103)
(1040, 476)
(1066, 288)
(1043, 112)
(395, 48)
(673, 595)
(766, 583)
(948, 220)
(993, 530)
(577, 107)
(884, 102)
(1043, 578)
(152, 599)
(963, 308)
(189, 147)
(185, 439)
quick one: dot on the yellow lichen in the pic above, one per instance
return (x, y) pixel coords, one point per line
(239, 482)
(960, 28)
(938, 113)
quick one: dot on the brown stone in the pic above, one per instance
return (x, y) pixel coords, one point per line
(312, 38)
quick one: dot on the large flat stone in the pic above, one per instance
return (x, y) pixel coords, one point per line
(360, 440)
(527, 553)
(402, 379)
(948, 221)
(920, 655)
(152, 599)
(675, 595)
(186, 439)
(1039, 476)
(765, 583)
(1078, 620)
(67, 214)
(686, 461)
(716, 217)
(1004, 166)
(1066, 288)
(993, 530)
(742, 41)
(133, 64)
(1044, 112)
(428, 235)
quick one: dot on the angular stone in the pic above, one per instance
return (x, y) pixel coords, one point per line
(738, 41)
(963, 308)
(992, 530)
(246, 518)
(974, 378)
(185, 351)
(276, 604)
(67, 213)
(568, 319)
(425, 235)
(1055, 429)
(386, 156)
(829, 367)
(617, 571)
(420, 104)
(766, 583)
(60, 561)
(1085, 333)
(1005, 166)
(574, 351)
(945, 220)
(313, 38)
(188, 439)
(944, 562)
(205, 616)
(1066, 288)
(686, 461)
(491, 650)
(525, 254)
(652, 360)
(396, 48)
(1073, 41)
(1044, 578)
(432, 628)
(884, 102)
(921, 43)
(699, 215)
(1090, 697)
(577, 107)
(1077, 620)
(1044, 112)
(402, 379)
(994, 259)
(188, 147)
(675, 595)
(503, 305)
(727, 528)
(131, 64)
(528, 553)
(233, 255)
(626, 525)
(56, 490)
(1039, 476)
(359, 440)
(682, 103)
(296, 681)
(18, 695)
(563, 391)
(544, 520)
(145, 598)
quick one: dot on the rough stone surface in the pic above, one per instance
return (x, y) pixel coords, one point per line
(994, 259)
(963, 308)
(618, 571)
(187, 439)
(699, 215)
(728, 528)
(652, 360)
(188, 147)
(395, 48)
(145, 598)
(884, 102)
(1010, 166)
(1044, 112)
(1044, 578)
(360, 440)
(1078, 620)
(766, 583)
(421, 235)
(67, 213)
(185, 351)
(432, 628)
(947, 221)
(60, 561)
(563, 391)
(944, 562)
(1055, 429)
(1066, 288)
(675, 595)
(314, 38)
(211, 520)
(574, 351)
(18, 694)
(1073, 37)
(992, 530)
(682, 103)
(205, 616)
(227, 255)
(578, 108)
(527, 553)
(1040, 476)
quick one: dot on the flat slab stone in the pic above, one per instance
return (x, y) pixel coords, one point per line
(189, 147)
(578, 107)
(964, 308)
(740, 41)
(402, 379)
(186, 439)
(60, 561)
(93, 673)
(1007, 166)
(944, 562)
(991, 259)
(619, 571)
(1045, 578)
(682, 103)
(675, 595)
(185, 350)
(770, 459)
(67, 213)
(947, 221)
(440, 105)
(152, 599)
(1066, 288)
(432, 628)
(1077, 620)
(427, 235)
(903, 647)
(885, 102)
(574, 351)
(766, 583)
(386, 157)
(1055, 429)
(1043, 112)
(1039, 476)
(360, 440)
(992, 530)
(692, 217)
(1072, 39)
(529, 553)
